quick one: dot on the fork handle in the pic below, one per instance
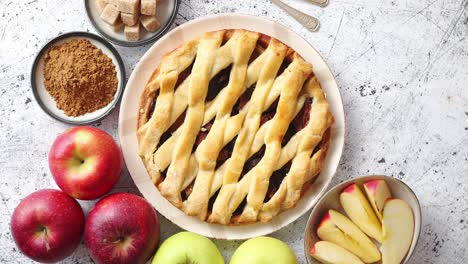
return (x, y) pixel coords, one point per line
(310, 22)
(321, 3)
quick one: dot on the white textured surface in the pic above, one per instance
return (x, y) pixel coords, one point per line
(402, 67)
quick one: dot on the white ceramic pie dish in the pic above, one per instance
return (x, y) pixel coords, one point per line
(331, 201)
(130, 106)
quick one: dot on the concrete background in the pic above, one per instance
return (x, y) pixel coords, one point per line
(402, 67)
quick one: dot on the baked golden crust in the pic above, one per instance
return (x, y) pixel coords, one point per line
(222, 116)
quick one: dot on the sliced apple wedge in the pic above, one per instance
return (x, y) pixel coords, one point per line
(398, 229)
(329, 253)
(377, 192)
(338, 229)
(360, 212)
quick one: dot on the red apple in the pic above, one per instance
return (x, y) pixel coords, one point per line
(85, 162)
(47, 225)
(122, 228)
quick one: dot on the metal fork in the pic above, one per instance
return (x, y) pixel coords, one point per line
(308, 21)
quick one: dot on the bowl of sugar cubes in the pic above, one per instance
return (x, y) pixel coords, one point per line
(132, 22)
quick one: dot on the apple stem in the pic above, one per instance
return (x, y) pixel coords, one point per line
(189, 261)
(118, 240)
(44, 232)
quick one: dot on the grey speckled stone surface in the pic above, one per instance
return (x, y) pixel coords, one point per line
(402, 67)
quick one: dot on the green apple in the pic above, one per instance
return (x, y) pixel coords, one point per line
(263, 250)
(188, 248)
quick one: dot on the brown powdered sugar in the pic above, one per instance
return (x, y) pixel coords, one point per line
(79, 76)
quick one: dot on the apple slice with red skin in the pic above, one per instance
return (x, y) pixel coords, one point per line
(47, 225)
(85, 162)
(398, 230)
(377, 192)
(360, 211)
(122, 228)
(338, 229)
(330, 253)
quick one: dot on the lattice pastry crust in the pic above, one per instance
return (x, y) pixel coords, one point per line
(233, 127)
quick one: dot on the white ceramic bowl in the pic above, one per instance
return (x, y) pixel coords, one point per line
(331, 201)
(130, 104)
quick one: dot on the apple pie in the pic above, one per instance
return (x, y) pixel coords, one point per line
(233, 127)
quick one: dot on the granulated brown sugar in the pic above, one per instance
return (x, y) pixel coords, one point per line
(79, 76)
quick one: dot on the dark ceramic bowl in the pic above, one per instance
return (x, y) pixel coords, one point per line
(47, 103)
(166, 14)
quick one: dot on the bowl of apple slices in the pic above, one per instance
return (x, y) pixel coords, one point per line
(371, 219)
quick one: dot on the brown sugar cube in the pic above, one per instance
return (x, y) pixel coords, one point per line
(148, 7)
(110, 14)
(118, 26)
(101, 4)
(132, 32)
(129, 19)
(150, 23)
(129, 6)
